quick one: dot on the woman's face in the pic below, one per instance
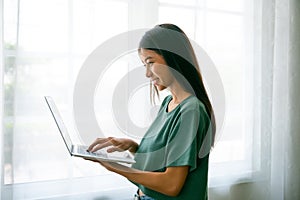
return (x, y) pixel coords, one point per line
(156, 69)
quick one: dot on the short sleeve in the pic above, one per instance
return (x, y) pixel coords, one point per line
(183, 142)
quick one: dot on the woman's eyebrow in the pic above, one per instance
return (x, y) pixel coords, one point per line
(149, 57)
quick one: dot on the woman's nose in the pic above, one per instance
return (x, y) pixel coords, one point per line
(148, 73)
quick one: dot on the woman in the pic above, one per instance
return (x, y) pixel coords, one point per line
(172, 158)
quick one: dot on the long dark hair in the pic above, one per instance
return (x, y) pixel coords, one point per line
(169, 41)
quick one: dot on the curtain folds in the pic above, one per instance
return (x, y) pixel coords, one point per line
(292, 179)
(1, 96)
(280, 80)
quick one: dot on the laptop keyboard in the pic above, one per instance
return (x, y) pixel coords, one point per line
(83, 150)
(103, 153)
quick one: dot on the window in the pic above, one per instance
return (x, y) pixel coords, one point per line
(45, 44)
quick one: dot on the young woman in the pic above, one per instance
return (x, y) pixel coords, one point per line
(172, 158)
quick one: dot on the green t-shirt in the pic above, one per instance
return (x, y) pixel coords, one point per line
(175, 139)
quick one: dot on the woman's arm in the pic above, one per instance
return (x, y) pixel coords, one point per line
(169, 182)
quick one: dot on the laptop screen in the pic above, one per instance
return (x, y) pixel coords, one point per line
(60, 124)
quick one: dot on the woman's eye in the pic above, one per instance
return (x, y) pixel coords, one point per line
(149, 64)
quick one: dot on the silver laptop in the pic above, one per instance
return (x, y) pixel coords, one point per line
(80, 150)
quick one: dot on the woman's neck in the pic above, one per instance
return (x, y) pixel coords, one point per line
(178, 93)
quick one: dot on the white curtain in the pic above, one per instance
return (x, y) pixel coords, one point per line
(292, 135)
(276, 104)
(280, 95)
(1, 94)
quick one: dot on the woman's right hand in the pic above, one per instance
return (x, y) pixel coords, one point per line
(114, 144)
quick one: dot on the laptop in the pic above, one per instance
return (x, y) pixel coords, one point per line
(81, 150)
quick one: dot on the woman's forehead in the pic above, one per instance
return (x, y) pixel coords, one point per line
(146, 53)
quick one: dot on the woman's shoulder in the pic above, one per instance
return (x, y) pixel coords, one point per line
(192, 103)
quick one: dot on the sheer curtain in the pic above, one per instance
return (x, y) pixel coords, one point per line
(276, 106)
(285, 161)
(1, 95)
(278, 50)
